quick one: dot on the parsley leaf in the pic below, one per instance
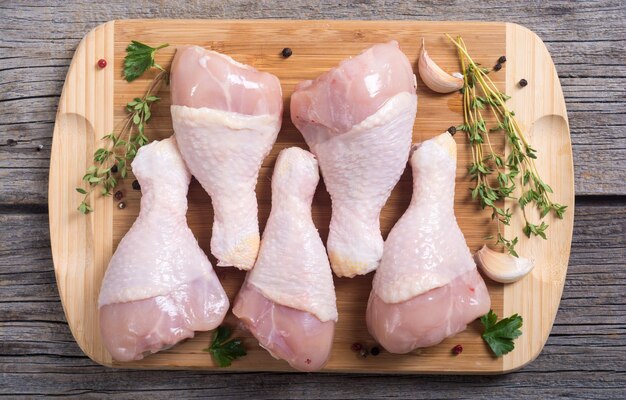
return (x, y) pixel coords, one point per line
(499, 335)
(139, 58)
(225, 351)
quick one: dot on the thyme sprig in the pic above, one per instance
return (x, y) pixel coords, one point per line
(112, 160)
(481, 96)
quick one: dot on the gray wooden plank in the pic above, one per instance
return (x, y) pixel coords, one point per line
(582, 359)
(586, 40)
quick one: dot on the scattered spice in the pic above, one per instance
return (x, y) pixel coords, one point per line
(102, 63)
(363, 353)
(121, 205)
(286, 52)
(136, 185)
(39, 147)
(375, 351)
(458, 349)
(114, 169)
(502, 59)
(118, 195)
(452, 130)
(523, 82)
(356, 347)
(497, 67)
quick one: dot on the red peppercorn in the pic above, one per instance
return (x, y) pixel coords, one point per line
(497, 67)
(356, 347)
(102, 63)
(119, 195)
(523, 82)
(458, 349)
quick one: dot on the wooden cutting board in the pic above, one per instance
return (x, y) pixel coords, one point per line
(93, 102)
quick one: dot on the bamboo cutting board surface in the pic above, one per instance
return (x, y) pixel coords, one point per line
(93, 102)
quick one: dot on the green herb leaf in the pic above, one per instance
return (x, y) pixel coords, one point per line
(139, 58)
(81, 190)
(225, 351)
(500, 335)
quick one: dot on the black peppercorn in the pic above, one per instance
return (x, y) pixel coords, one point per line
(497, 67)
(286, 52)
(523, 82)
(114, 169)
(136, 185)
(118, 195)
(374, 351)
(502, 59)
(452, 130)
(121, 205)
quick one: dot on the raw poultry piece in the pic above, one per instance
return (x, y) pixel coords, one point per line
(226, 116)
(427, 286)
(288, 299)
(358, 119)
(160, 286)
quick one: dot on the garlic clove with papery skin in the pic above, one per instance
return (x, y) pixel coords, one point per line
(501, 267)
(436, 78)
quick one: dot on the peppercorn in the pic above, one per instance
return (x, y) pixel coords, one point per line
(452, 130)
(356, 347)
(121, 205)
(458, 349)
(374, 351)
(363, 353)
(118, 195)
(114, 169)
(523, 82)
(136, 185)
(39, 147)
(502, 59)
(286, 52)
(102, 63)
(497, 67)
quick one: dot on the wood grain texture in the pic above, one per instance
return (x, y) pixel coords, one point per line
(317, 46)
(583, 357)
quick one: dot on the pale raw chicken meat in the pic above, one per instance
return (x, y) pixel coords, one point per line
(427, 287)
(358, 120)
(226, 116)
(288, 299)
(159, 286)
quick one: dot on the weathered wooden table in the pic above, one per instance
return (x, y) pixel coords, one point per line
(585, 356)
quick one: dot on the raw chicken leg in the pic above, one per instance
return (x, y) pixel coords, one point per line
(288, 299)
(427, 287)
(159, 287)
(226, 116)
(358, 120)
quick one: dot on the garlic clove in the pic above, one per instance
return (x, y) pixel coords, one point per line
(436, 78)
(502, 267)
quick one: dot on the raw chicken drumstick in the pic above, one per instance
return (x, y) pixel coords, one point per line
(160, 286)
(427, 287)
(288, 299)
(226, 116)
(358, 120)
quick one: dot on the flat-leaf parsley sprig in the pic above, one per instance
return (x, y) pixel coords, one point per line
(112, 160)
(499, 335)
(225, 351)
(481, 95)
